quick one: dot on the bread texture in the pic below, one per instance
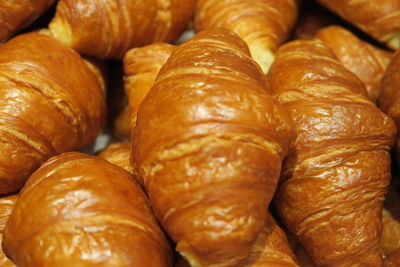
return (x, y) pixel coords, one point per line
(51, 102)
(262, 24)
(380, 19)
(16, 15)
(107, 29)
(209, 135)
(332, 186)
(79, 210)
(366, 61)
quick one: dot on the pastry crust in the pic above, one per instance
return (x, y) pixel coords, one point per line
(366, 61)
(378, 18)
(333, 185)
(79, 210)
(50, 102)
(262, 24)
(209, 135)
(107, 29)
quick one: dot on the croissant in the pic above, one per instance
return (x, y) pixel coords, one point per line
(262, 24)
(79, 210)
(364, 60)
(6, 206)
(107, 29)
(141, 66)
(51, 102)
(16, 15)
(389, 98)
(209, 135)
(119, 154)
(333, 184)
(375, 17)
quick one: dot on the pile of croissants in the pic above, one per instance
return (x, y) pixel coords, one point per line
(242, 133)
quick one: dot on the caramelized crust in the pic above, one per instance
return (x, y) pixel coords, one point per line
(16, 15)
(364, 60)
(333, 185)
(50, 102)
(208, 136)
(78, 210)
(141, 66)
(271, 249)
(107, 29)
(119, 154)
(378, 18)
(262, 24)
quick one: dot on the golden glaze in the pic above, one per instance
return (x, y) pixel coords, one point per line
(262, 24)
(366, 61)
(271, 249)
(50, 102)
(379, 18)
(119, 154)
(18, 14)
(333, 184)
(78, 210)
(389, 99)
(208, 136)
(107, 29)
(141, 66)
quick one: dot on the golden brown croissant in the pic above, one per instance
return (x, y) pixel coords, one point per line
(389, 99)
(107, 29)
(262, 24)
(333, 184)
(364, 60)
(208, 136)
(378, 18)
(141, 66)
(51, 102)
(79, 210)
(16, 15)
(119, 154)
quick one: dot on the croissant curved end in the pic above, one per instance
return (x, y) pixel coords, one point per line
(61, 30)
(264, 57)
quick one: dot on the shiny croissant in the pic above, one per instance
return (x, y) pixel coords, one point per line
(119, 154)
(80, 210)
(16, 15)
(107, 29)
(50, 102)
(209, 135)
(262, 24)
(333, 184)
(366, 61)
(378, 18)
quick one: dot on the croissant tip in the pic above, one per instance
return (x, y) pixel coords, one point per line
(61, 30)
(264, 57)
